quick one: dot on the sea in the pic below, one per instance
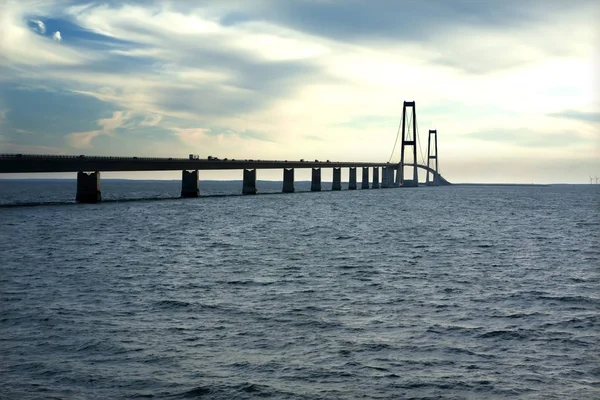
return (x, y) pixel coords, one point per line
(455, 292)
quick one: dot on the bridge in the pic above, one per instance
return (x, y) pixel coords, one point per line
(88, 168)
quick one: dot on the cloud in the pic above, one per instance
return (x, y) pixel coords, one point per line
(56, 36)
(226, 143)
(528, 138)
(24, 53)
(83, 140)
(217, 74)
(577, 115)
(39, 26)
(474, 37)
(118, 120)
(151, 120)
(10, 147)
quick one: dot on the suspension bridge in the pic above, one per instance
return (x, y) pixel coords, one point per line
(393, 175)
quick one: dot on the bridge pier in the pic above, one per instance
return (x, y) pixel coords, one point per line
(352, 179)
(288, 180)
(407, 182)
(88, 187)
(365, 178)
(315, 185)
(249, 186)
(385, 178)
(375, 184)
(337, 179)
(189, 183)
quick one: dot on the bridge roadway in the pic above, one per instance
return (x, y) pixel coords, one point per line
(88, 170)
(25, 163)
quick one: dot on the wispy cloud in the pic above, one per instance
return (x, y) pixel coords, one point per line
(268, 77)
(39, 26)
(26, 53)
(10, 147)
(225, 143)
(108, 126)
(151, 120)
(528, 137)
(577, 115)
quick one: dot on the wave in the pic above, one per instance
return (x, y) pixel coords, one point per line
(236, 391)
(507, 334)
(173, 304)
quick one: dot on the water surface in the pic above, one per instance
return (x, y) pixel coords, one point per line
(445, 292)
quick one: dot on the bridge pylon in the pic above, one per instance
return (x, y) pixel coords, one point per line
(435, 181)
(409, 138)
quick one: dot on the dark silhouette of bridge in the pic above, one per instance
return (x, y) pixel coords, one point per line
(88, 168)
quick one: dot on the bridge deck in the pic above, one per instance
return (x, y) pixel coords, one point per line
(25, 163)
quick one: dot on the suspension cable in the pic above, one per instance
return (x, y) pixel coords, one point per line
(395, 141)
(419, 142)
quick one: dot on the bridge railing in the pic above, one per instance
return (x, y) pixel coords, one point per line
(130, 158)
(83, 157)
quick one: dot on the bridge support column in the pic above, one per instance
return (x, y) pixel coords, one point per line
(406, 182)
(315, 185)
(375, 184)
(365, 178)
(189, 184)
(385, 178)
(337, 179)
(249, 186)
(288, 180)
(88, 187)
(352, 179)
(409, 138)
(432, 154)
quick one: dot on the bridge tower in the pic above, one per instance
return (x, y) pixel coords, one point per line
(409, 138)
(431, 157)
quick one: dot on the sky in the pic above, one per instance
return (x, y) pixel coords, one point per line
(510, 86)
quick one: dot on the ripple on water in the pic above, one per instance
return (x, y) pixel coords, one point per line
(469, 292)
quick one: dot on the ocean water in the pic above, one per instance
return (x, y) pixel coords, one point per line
(461, 292)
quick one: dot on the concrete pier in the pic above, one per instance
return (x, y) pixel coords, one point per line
(410, 183)
(315, 185)
(288, 180)
(385, 176)
(88, 187)
(375, 184)
(249, 181)
(365, 178)
(337, 179)
(189, 183)
(407, 182)
(352, 179)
